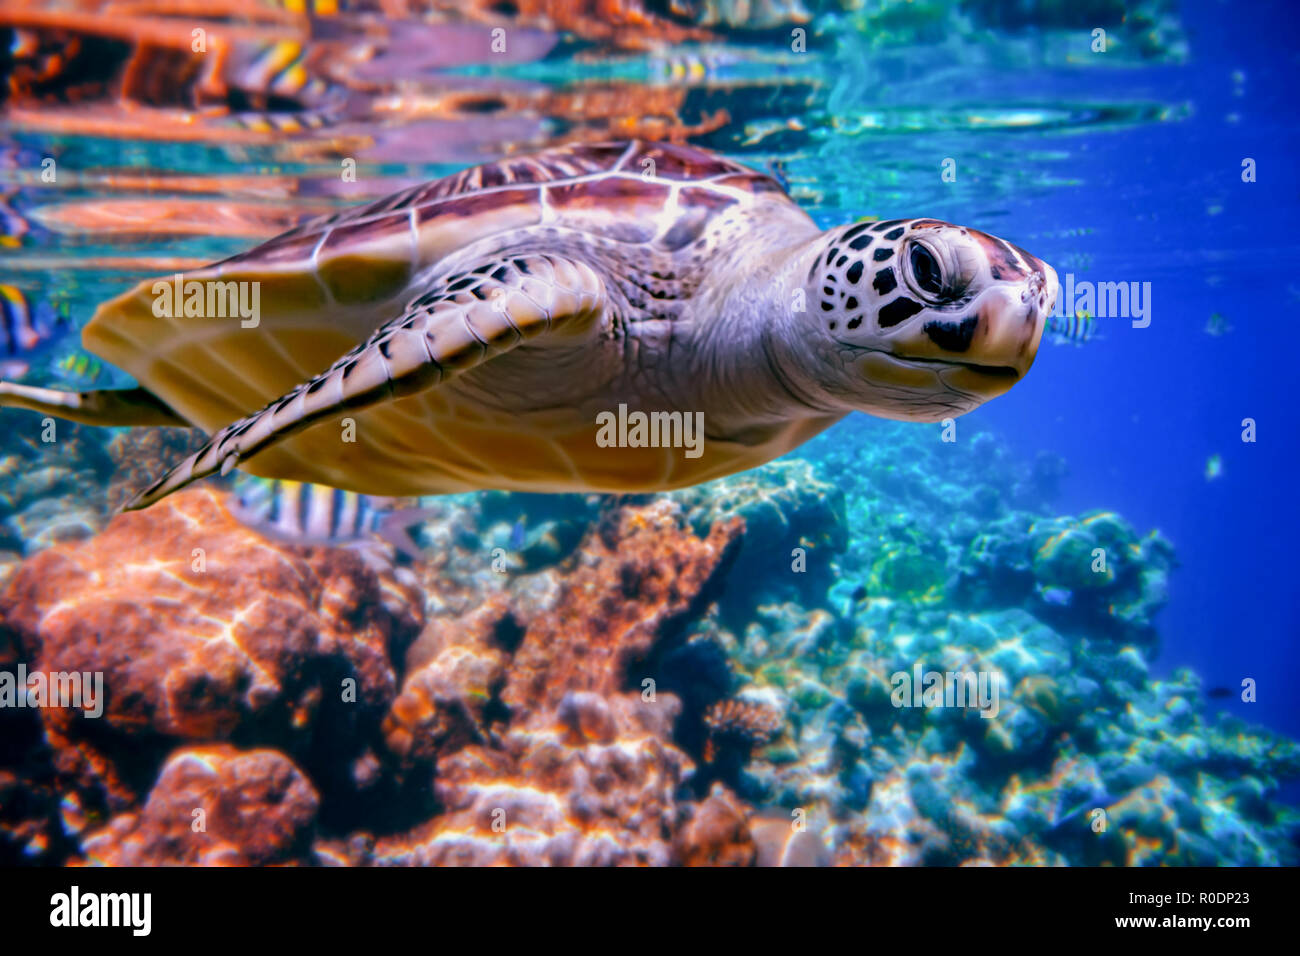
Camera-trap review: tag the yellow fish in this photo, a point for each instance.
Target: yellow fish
(80, 366)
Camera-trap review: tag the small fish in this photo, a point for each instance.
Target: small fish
(283, 70)
(1214, 467)
(1217, 325)
(1073, 329)
(299, 513)
(279, 68)
(281, 123)
(518, 534)
(1220, 693)
(1057, 596)
(79, 366)
(25, 43)
(24, 327)
(859, 593)
(692, 66)
(776, 168)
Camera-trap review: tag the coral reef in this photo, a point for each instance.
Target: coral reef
(51, 476)
(215, 806)
(718, 833)
(1077, 731)
(741, 725)
(795, 521)
(202, 631)
(521, 732)
(580, 768)
(733, 675)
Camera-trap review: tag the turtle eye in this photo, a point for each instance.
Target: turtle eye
(926, 271)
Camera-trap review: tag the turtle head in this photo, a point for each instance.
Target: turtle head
(924, 319)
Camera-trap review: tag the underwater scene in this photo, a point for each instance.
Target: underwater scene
(603, 432)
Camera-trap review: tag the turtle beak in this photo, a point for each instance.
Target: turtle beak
(1007, 336)
(1012, 323)
(1015, 325)
(1042, 287)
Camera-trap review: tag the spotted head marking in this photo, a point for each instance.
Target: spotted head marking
(922, 319)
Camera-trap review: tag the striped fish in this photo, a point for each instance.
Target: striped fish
(299, 513)
(282, 92)
(25, 327)
(279, 69)
(1073, 329)
(13, 226)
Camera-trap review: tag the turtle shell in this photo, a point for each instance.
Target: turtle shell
(323, 287)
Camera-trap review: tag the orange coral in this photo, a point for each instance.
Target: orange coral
(577, 768)
(528, 719)
(215, 805)
(203, 630)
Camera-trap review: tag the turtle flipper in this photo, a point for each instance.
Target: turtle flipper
(469, 320)
(122, 406)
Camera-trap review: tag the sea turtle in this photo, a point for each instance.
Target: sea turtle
(486, 330)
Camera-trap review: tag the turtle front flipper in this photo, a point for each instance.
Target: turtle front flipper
(122, 406)
(471, 318)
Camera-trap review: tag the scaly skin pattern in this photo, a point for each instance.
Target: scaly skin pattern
(475, 330)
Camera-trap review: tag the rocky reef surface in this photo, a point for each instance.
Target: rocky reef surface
(718, 676)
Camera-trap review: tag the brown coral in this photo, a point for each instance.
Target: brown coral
(454, 670)
(533, 721)
(740, 724)
(215, 806)
(717, 834)
(205, 631)
(579, 767)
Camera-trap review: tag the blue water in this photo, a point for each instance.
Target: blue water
(1110, 166)
(1114, 169)
(1153, 196)
(1138, 413)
